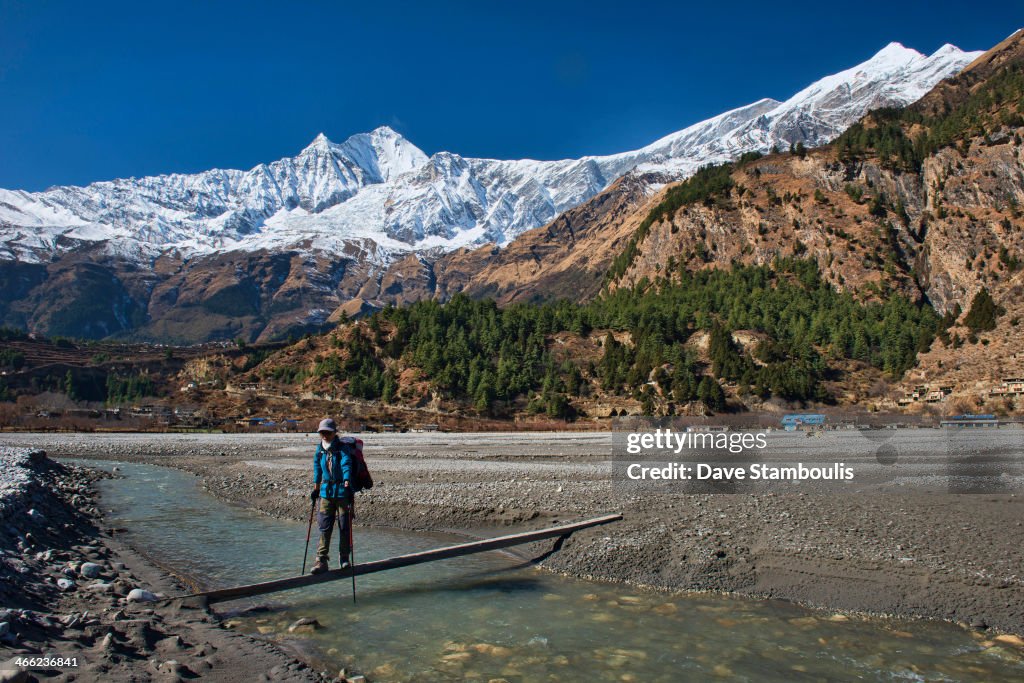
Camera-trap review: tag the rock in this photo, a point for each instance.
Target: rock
(722, 671)
(65, 584)
(171, 643)
(5, 628)
(456, 657)
(305, 625)
(107, 643)
(173, 666)
(71, 621)
(36, 516)
(1009, 639)
(255, 609)
(192, 603)
(493, 650)
(10, 673)
(90, 570)
(140, 595)
(387, 671)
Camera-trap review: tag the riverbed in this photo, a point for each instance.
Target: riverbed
(488, 616)
(942, 556)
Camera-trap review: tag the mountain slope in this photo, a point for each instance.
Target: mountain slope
(379, 185)
(925, 201)
(793, 277)
(350, 219)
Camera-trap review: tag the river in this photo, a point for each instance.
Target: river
(488, 616)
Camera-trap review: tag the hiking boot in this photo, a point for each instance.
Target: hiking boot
(320, 567)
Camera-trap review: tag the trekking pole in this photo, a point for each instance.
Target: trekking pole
(352, 546)
(309, 529)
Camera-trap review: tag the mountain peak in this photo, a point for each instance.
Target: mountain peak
(386, 150)
(386, 132)
(895, 54)
(320, 144)
(947, 49)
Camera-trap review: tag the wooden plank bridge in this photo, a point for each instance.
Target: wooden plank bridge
(445, 553)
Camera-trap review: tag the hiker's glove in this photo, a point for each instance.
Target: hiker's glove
(315, 494)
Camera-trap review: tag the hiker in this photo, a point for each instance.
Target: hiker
(333, 471)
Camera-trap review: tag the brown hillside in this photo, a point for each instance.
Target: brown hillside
(566, 258)
(939, 234)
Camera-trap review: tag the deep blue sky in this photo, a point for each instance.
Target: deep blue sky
(92, 91)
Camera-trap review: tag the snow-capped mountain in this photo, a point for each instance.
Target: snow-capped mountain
(379, 188)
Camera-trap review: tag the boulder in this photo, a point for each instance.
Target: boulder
(1010, 639)
(10, 673)
(304, 625)
(90, 570)
(141, 595)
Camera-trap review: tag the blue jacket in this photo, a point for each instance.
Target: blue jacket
(341, 464)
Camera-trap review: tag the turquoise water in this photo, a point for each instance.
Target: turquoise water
(487, 616)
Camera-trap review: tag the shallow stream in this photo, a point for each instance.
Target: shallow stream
(487, 616)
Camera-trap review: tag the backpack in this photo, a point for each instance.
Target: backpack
(361, 478)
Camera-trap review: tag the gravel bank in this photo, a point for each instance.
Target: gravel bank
(954, 557)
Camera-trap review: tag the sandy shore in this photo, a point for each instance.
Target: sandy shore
(953, 557)
(66, 594)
